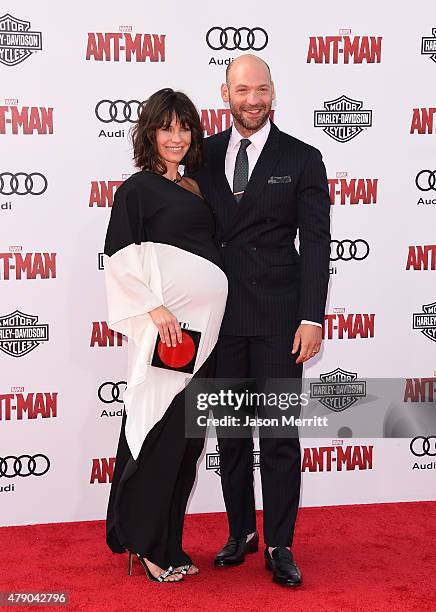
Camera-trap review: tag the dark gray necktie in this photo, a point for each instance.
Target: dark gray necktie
(240, 176)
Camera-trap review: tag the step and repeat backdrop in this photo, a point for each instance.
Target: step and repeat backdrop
(356, 82)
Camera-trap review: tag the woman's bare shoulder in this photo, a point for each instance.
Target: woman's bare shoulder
(192, 185)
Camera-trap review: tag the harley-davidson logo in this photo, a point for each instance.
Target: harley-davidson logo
(338, 389)
(17, 42)
(20, 333)
(213, 461)
(428, 45)
(343, 118)
(426, 321)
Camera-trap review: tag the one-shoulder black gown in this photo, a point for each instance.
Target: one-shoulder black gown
(159, 249)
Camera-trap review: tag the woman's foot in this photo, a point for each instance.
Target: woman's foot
(187, 570)
(156, 571)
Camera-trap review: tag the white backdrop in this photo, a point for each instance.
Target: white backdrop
(70, 443)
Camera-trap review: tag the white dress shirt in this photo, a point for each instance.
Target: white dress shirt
(258, 140)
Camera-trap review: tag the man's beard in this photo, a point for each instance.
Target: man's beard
(250, 123)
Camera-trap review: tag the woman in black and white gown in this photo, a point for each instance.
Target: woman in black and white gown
(162, 267)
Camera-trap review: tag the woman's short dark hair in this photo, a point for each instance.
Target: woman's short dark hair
(158, 112)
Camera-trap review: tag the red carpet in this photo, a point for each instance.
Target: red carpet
(372, 557)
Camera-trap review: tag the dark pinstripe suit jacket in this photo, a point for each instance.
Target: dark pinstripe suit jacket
(271, 286)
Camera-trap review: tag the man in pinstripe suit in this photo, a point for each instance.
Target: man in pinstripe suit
(263, 185)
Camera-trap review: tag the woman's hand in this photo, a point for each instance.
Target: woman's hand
(167, 324)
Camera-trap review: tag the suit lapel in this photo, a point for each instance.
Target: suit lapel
(224, 200)
(268, 158)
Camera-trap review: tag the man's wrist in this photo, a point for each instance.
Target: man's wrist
(305, 322)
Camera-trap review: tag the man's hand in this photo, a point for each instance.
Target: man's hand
(309, 337)
(167, 324)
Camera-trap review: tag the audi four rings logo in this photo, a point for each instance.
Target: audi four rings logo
(21, 183)
(231, 39)
(426, 180)
(421, 446)
(110, 392)
(24, 465)
(346, 250)
(119, 111)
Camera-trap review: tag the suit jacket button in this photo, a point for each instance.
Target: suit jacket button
(253, 282)
(223, 244)
(253, 248)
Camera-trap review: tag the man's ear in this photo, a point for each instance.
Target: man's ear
(273, 90)
(225, 92)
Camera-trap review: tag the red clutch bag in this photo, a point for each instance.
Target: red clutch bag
(180, 357)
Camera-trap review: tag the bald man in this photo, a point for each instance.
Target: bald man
(263, 186)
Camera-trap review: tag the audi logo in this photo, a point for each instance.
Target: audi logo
(421, 446)
(110, 392)
(21, 183)
(237, 38)
(426, 180)
(346, 250)
(119, 111)
(24, 465)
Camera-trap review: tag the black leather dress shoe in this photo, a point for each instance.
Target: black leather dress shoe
(233, 553)
(281, 563)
